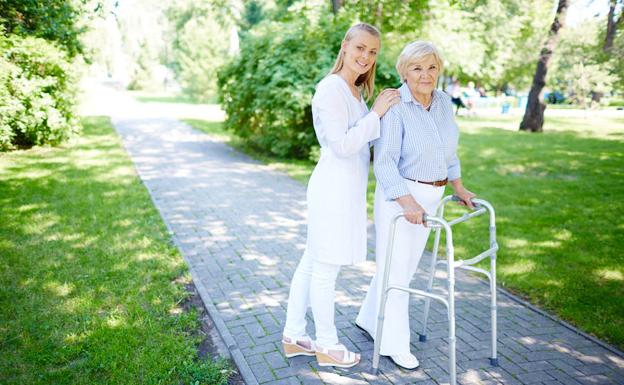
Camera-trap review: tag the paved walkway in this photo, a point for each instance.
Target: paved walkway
(241, 227)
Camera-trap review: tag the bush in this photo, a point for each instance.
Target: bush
(37, 93)
(266, 91)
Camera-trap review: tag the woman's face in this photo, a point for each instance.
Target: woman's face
(360, 52)
(422, 76)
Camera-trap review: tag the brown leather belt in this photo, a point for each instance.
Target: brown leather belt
(437, 183)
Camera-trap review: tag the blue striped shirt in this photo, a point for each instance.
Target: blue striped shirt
(416, 144)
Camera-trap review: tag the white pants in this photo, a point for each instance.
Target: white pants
(313, 284)
(409, 244)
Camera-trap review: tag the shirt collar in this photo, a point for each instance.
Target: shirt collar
(407, 97)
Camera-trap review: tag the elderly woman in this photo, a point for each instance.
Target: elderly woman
(415, 157)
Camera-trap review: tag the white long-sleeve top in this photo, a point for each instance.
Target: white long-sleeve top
(337, 188)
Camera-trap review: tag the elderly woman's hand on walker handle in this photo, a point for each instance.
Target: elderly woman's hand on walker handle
(386, 99)
(465, 196)
(414, 213)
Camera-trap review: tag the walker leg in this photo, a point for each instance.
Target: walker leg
(422, 337)
(451, 316)
(384, 298)
(494, 357)
(378, 332)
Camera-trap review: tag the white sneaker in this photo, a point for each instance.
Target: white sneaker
(406, 361)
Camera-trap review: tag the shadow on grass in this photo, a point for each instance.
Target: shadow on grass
(87, 271)
(558, 198)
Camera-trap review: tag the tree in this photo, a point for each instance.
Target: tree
(53, 20)
(533, 119)
(578, 68)
(200, 45)
(489, 41)
(612, 25)
(336, 4)
(387, 15)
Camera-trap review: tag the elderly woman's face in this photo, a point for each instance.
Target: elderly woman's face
(360, 52)
(422, 76)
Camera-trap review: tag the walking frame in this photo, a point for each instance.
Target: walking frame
(439, 223)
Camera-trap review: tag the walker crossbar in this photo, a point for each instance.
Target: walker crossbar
(438, 223)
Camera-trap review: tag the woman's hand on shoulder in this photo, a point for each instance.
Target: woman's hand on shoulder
(386, 99)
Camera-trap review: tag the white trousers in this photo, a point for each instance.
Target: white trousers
(409, 244)
(313, 284)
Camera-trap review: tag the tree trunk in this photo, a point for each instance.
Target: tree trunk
(336, 4)
(533, 119)
(612, 26)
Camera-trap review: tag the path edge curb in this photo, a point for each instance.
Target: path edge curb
(554, 318)
(237, 356)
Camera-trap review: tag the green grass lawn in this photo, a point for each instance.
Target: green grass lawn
(91, 288)
(559, 203)
(146, 97)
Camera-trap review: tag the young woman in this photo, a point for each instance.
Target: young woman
(336, 194)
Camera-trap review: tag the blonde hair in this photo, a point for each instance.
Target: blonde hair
(366, 80)
(415, 52)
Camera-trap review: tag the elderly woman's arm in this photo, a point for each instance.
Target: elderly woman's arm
(387, 155)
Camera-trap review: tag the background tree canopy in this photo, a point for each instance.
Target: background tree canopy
(38, 85)
(266, 89)
(53, 20)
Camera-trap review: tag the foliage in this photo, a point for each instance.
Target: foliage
(92, 289)
(388, 15)
(492, 42)
(37, 93)
(576, 69)
(199, 47)
(266, 91)
(613, 60)
(53, 20)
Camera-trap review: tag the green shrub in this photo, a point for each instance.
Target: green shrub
(266, 91)
(37, 93)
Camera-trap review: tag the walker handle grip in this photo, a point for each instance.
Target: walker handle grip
(455, 198)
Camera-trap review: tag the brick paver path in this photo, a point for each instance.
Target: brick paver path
(241, 227)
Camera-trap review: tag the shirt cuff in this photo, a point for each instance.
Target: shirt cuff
(454, 172)
(396, 191)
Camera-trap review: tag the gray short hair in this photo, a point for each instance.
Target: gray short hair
(415, 52)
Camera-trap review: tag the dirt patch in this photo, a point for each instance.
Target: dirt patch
(211, 346)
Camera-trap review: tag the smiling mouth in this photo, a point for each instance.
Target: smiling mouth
(361, 65)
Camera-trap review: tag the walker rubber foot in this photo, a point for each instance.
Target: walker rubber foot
(422, 337)
(494, 361)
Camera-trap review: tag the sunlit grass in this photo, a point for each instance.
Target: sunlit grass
(89, 280)
(559, 199)
(150, 97)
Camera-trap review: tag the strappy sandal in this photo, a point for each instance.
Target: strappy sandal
(349, 359)
(294, 346)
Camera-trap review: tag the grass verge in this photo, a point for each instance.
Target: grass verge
(90, 285)
(559, 197)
